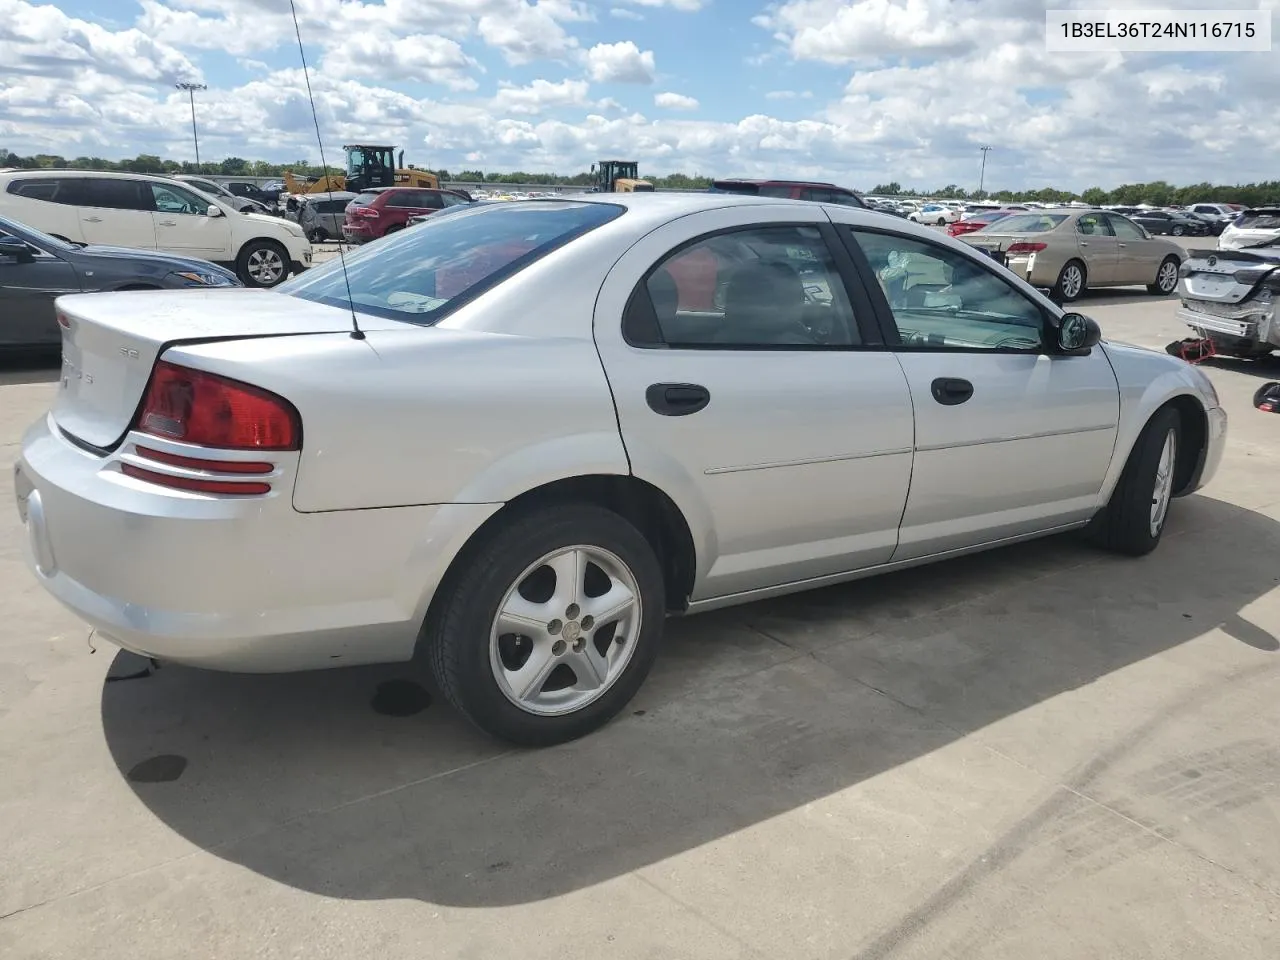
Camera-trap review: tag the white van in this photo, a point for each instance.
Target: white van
(154, 213)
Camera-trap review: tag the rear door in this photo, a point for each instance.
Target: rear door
(27, 292)
(183, 225)
(1097, 242)
(1010, 439)
(115, 212)
(771, 413)
(403, 204)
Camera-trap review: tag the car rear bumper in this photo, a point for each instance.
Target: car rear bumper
(357, 234)
(232, 583)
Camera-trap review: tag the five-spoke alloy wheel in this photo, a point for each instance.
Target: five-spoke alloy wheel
(548, 624)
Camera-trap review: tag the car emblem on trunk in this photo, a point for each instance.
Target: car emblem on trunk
(1213, 261)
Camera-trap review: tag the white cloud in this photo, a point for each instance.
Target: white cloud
(621, 62)
(675, 101)
(686, 6)
(541, 95)
(789, 95)
(420, 58)
(623, 13)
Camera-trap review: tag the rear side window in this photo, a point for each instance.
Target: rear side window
(418, 199)
(364, 199)
(420, 275)
(113, 194)
(330, 206)
(35, 189)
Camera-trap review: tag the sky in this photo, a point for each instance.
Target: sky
(860, 93)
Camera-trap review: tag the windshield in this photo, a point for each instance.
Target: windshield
(417, 275)
(1031, 222)
(31, 235)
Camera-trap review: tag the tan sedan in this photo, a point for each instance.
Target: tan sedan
(1068, 250)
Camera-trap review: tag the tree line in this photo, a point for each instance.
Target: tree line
(1159, 193)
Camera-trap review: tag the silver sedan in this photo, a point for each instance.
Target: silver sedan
(513, 440)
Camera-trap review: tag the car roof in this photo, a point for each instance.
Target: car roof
(96, 174)
(787, 183)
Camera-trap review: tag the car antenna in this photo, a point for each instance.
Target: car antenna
(356, 332)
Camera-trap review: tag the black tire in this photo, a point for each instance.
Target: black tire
(456, 637)
(942, 221)
(394, 228)
(1177, 230)
(1163, 289)
(257, 252)
(1064, 283)
(1124, 524)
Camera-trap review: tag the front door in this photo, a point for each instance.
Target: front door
(115, 212)
(1138, 256)
(183, 225)
(749, 386)
(27, 292)
(1097, 243)
(1010, 438)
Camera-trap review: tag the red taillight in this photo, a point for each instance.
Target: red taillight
(1026, 246)
(212, 411)
(369, 212)
(199, 463)
(244, 488)
(63, 320)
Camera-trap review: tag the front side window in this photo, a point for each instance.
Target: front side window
(944, 300)
(759, 287)
(419, 275)
(171, 199)
(1123, 228)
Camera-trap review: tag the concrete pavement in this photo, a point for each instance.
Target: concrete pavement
(1040, 752)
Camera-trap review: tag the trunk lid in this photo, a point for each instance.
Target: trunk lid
(1226, 277)
(110, 342)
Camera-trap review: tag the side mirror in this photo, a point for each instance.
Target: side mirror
(213, 211)
(19, 251)
(1267, 399)
(1077, 334)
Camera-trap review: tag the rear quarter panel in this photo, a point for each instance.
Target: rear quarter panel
(427, 415)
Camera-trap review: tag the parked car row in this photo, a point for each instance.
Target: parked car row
(146, 212)
(369, 214)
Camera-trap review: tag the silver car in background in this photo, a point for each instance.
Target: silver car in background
(514, 439)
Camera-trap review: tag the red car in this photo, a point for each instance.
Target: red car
(382, 210)
(977, 222)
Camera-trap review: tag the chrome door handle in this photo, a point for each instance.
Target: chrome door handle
(1121, 244)
(167, 223)
(1084, 243)
(92, 219)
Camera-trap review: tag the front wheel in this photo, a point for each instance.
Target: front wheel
(1166, 278)
(1178, 231)
(942, 221)
(1071, 282)
(262, 263)
(1133, 519)
(550, 625)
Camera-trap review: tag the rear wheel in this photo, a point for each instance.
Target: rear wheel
(942, 221)
(1177, 230)
(262, 263)
(395, 227)
(1133, 519)
(1166, 278)
(1071, 282)
(549, 626)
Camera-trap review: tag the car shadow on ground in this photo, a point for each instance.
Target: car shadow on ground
(359, 784)
(30, 365)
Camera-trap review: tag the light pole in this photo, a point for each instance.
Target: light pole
(982, 177)
(191, 89)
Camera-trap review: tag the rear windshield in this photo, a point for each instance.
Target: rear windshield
(364, 199)
(1030, 222)
(419, 275)
(726, 186)
(1259, 220)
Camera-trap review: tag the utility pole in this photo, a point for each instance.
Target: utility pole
(982, 177)
(191, 89)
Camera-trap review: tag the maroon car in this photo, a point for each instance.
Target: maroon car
(382, 210)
